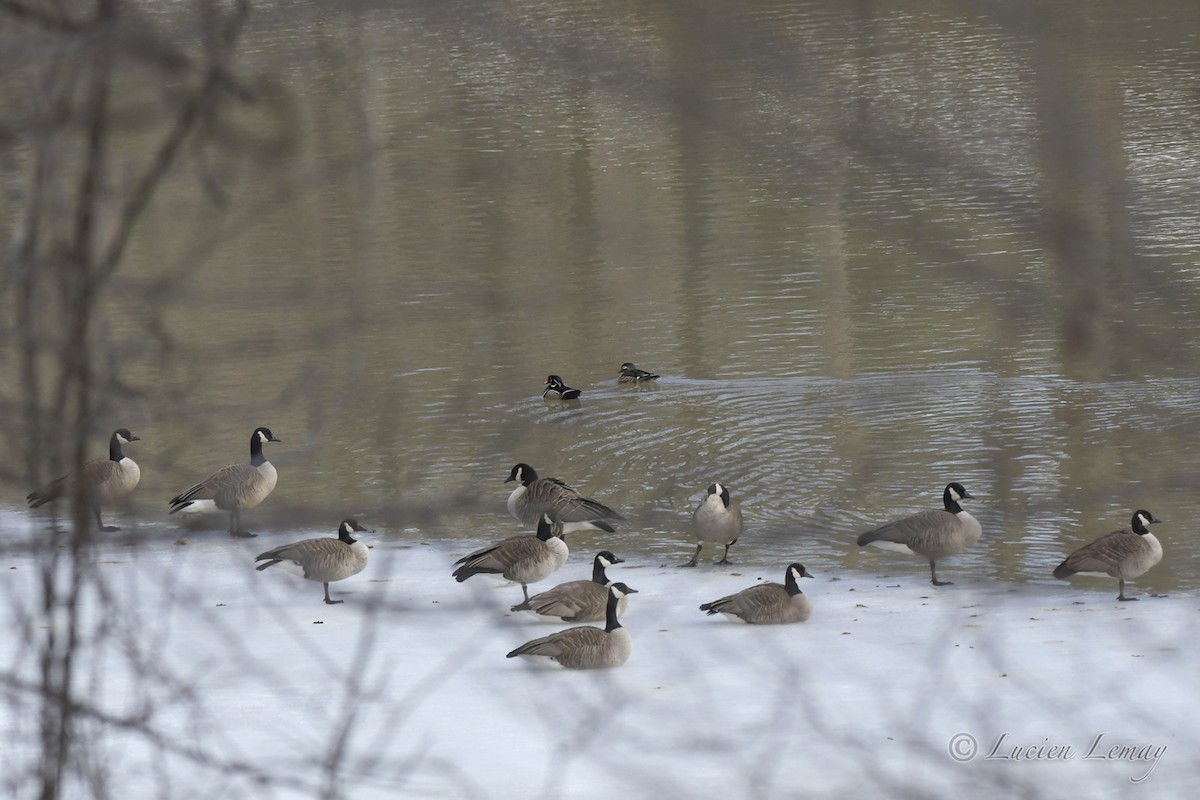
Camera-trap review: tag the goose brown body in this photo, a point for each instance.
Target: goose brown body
(1121, 554)
(584, 647)
(523, 559)
(234, 487)
(577, 601)
(931, 534)
(767, 603)
(102, 482)
(717, 520)
(323, 560)
(535, 496)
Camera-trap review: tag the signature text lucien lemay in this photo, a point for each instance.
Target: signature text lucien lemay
(963, 747)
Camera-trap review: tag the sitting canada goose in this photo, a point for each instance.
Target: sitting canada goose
(534, 496)
(932, 534)
(557, 390)
(103, 481)
(1120, 554)
(524, 559)
(576, 601)
(767, 603)
(631, 374)
(323, 560)
(716, 520)
(234, 487)
(585, 647)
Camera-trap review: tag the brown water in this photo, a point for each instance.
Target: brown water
(870, 250)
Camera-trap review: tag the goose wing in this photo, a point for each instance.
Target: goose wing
(51, 491)
(1104, 555)
(752, 601)
(568, 601)
(584, 645)
(322, 559)
(924, 533)
(228, 487)
(108, 480)
(103, 480)
(498, 558)
(568, 505)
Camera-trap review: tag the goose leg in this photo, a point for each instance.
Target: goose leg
(695, 556)
(101, 525)
(933, 572)
(525, 589)
(235, 526)
(329, 602)
(725, 558)
(1121, 593)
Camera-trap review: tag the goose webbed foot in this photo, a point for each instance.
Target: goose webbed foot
(933, 577)
(695, 556)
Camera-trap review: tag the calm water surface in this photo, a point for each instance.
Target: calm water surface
(870, 251)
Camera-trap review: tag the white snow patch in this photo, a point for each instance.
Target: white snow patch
(870, 697)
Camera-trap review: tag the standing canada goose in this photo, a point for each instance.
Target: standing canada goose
(717, 520)
(524, 559)
(631, 374)
(234, 487)
(576, 601)
(585, 647)
(534, 496)
(932, 534)
(1120, 554)
(557, 390)
(767, 603)
(323, 560)
(102, 482)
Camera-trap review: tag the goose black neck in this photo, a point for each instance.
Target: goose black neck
(791, 584)
(344, 535)
(951, 504)
(256, 454)
(114, 448)
(545, 530)
(598, 574)
(611, 623)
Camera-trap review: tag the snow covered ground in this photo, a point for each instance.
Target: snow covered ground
(234, 683)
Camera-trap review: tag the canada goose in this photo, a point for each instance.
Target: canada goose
(631, 374)
(716, 520)
(323, 560)
(585, 647)
(576, 601)
(1120, 554)
(234, 487)
(535, 496)
(524, 559)
(767, 603)
(932, 534)
(103, 481)
(557, 390)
